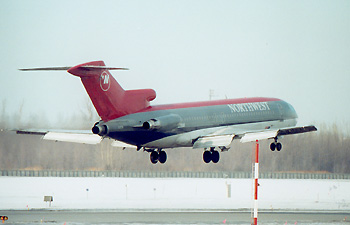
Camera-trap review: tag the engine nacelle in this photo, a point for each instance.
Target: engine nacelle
(100, 129)
(167, 122)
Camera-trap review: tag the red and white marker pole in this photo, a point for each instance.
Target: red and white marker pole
(256, 184)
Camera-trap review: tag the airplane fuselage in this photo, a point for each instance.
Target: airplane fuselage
(178, 125)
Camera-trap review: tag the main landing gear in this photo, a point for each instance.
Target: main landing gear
(158, 156)
(275, 145)
(211, 156)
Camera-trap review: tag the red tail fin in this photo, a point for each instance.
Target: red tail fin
(109, 98)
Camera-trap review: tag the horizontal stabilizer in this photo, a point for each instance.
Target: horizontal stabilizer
(65, 68)
(213, 141)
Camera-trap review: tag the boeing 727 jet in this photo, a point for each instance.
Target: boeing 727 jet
(128, 118)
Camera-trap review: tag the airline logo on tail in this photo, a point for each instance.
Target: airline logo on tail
(104, 81)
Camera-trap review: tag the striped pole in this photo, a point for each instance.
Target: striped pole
(256, 184)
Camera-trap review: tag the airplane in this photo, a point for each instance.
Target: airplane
(128, 118)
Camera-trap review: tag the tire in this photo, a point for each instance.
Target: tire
(207, 156)
(215, 156)
(154, 157)
(278, 146)
(162, 157)
(273, 146)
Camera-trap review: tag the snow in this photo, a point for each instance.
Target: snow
(172, 193)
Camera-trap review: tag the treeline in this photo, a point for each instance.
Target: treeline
(327, 150)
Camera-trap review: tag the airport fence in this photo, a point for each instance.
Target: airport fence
(164, 174)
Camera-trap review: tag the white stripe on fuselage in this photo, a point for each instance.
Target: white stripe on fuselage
(185, 139)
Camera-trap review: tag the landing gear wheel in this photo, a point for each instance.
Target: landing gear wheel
(162, 157)
(207, 156)
(215, 156)
(273, 146)
(154, 157)
(278, 146)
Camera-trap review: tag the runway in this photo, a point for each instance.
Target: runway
(83, 217)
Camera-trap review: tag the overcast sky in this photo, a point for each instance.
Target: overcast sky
(298, 51)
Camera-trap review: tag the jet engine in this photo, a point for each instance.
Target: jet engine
(100, 129)
(167, 122)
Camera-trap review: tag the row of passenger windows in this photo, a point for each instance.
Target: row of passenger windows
(219, 117)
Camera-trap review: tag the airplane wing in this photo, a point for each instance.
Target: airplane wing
(123, 145)
(270, 134)
(225, 136)
(73, 137)
(81, 136)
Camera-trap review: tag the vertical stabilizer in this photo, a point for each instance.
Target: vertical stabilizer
(109, 98)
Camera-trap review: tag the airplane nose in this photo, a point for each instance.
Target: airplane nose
(293, 114)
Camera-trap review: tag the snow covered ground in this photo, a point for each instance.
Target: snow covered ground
(172, 193)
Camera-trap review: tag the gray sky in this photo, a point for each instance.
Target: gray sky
(298, 51)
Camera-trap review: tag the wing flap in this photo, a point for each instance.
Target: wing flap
(248, 137)
(213, 141)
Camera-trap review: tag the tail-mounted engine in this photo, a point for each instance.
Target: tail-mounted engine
(101, 130)
(168, 122)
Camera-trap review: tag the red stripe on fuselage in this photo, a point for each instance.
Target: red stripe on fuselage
(208, 103)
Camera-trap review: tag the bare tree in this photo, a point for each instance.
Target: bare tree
(327, 150)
